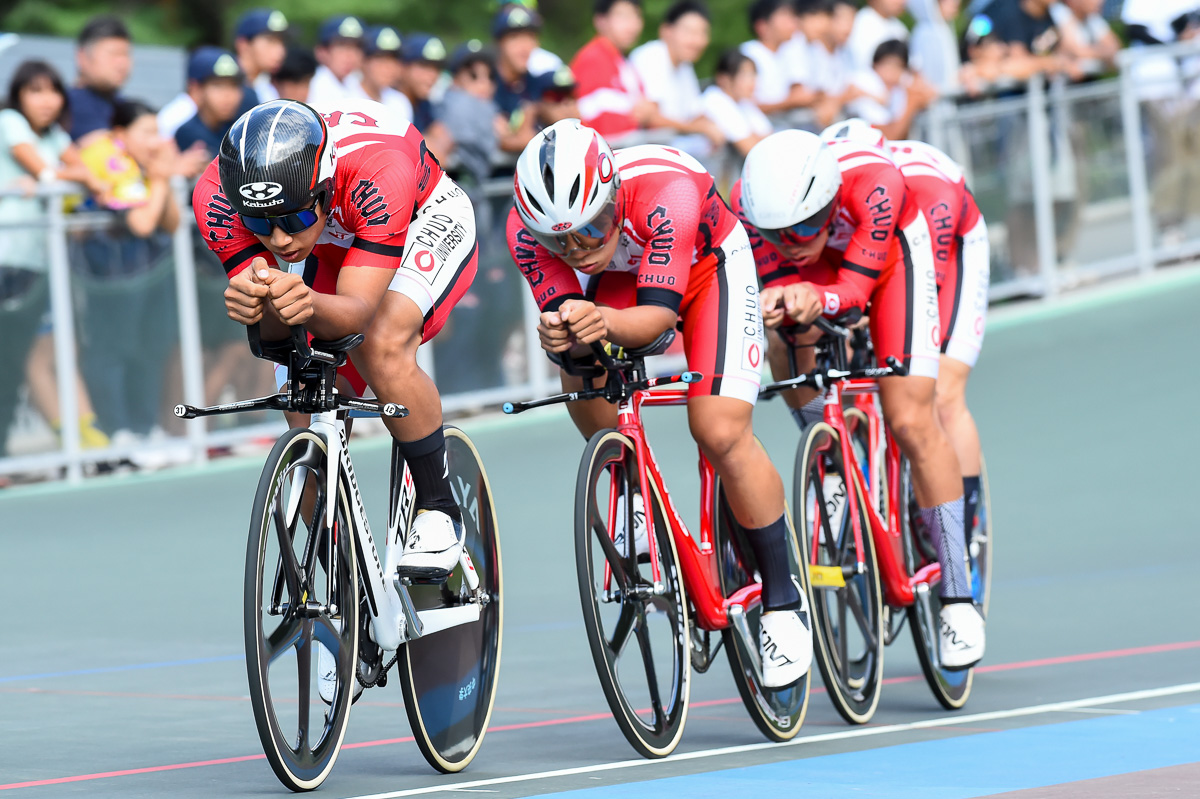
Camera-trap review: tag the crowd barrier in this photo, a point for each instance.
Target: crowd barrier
(1077, 183)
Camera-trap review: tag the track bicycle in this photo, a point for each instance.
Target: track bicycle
(314, 580)
(871, 564)
(682, 598)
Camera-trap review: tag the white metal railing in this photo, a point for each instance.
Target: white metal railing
(984, 136)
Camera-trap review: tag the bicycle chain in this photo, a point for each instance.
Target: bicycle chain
(382, 673)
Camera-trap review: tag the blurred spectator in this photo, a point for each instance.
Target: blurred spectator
(987, 66)
(340, 55)
(291, 81)
(1032, 40)
(467, 118)
(124, 275)
(260, 41)
(103, 58)
(216, 85)
(829, 60)
(382, 70)
(666, 67)
(423, 56)
(730, 102)
(891, 95)
(554, 97)
(878, 22)
(260, 45)
(778, 89)
(934, 45)
(34, 149)
(609, 93)
(515, 31)
(1086, 35)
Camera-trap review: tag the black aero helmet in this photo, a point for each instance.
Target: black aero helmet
(277, 159)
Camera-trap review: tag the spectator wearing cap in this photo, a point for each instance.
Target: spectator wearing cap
(666, 68)
(467, 117)
(876, 23)
(340, 55)
(553, 97)
(423, 55)
(295, 74)
(216, 86)
(609, 92)
(383, 70)
(260, 43)
(104, 59)
(515, 31)
(778, 87)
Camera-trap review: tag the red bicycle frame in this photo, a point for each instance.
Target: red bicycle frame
(898, 584)
(697, 560)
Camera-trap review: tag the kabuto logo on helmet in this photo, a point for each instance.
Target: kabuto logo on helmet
(561, 226)
(260, 191)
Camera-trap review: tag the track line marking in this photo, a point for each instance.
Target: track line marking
(858, 732)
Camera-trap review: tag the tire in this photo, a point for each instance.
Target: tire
(281, 693)
(632, 678)
(449, 678)
(778, 714)
(850, 656)
(950, 687)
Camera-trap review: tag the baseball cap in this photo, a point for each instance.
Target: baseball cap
(423, 47)
(556, 81)
(469, 52)
(207, 63)
(382, 39)
(342, 26)
(259, 21)
(514, 18)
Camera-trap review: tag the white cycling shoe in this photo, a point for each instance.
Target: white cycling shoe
(433, 546)
(785, 645)
(961, 639)
(327, 670)
(641, 542)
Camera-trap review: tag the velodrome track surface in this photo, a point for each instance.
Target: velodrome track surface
(121, 667)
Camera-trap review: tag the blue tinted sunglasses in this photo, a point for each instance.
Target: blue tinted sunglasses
(804, 231)
(290, 224)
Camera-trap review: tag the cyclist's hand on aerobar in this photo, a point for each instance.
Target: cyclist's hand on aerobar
(290, 297)
(801, 302)
(246, 293)
(575, 322)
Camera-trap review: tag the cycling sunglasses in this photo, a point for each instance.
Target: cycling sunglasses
(290, 224)
(602, 227)
(801, 232)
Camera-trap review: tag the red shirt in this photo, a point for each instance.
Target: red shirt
(862, 242)
(607, 88)
(384, 173)
(674, 221)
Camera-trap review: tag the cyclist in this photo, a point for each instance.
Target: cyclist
(962, 255)
(622, 247)
(835, 231)
(338, 218)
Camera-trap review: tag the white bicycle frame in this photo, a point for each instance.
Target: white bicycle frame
(394, 620)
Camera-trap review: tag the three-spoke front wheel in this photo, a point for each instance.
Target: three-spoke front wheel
(301, 607)
(637, 627)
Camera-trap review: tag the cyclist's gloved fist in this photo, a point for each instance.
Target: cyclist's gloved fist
(246, 293)
(771, 301)
(290, 297)
(802, 302)
(554, 335)
(584, 320)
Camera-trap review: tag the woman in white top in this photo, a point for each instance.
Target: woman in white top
(729, 102)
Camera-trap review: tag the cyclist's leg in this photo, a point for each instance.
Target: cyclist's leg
(905, 324)
(807, 405)
(964, 318)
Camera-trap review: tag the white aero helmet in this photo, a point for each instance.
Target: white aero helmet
(567, 183)
(791, 184)
(856, 130)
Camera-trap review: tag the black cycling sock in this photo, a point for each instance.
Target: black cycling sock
(770, 545)
(970, 503)
(426, 460)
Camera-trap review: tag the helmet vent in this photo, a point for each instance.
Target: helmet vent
(810, 185)
(595, 191)
(842, 132)
(534, 203)
(574, 191)
(548, 180)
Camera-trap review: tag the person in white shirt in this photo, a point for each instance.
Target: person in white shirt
(1085, 34)
(778, 90)
(730, 102)
(666, 69)
(891, 95)
(875, 24)
(340, 54)
(933, 46)
(383, 70)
